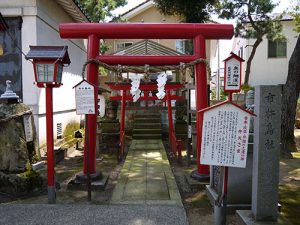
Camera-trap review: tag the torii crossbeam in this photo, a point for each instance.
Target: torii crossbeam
(96, 31)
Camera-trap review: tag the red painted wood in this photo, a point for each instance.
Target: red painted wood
(92, 77)
(122, 120)
(49, 134)
(144, 98)
(201, 97)
(145, 31)
(143, 87)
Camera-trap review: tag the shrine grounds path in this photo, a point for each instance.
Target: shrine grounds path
(146, 194)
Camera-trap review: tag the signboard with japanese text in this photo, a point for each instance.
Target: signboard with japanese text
(232, 75)
(85, 98)
(225, 134)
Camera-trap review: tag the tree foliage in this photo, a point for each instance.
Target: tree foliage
(191, 11)
(254, 21)
(99, 9)
(296, 16)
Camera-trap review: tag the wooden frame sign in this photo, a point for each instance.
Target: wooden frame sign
(85, 98)
(233, 73)
(225, 134)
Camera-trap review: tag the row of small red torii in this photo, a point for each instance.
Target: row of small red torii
(93, 32)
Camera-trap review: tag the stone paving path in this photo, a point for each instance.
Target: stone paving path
(146, 176)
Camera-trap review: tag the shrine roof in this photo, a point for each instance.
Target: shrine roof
(224, 103)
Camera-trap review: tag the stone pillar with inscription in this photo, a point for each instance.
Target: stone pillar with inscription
(267, 130)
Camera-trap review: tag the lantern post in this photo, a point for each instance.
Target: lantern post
(48, 62)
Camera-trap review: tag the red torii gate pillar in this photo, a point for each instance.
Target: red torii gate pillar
(198, 32)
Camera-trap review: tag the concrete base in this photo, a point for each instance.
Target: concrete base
(231, 208)
(245, 217)
(51, 195)
(97, 182)
(199, 177)
(82, 178)
(195, 184)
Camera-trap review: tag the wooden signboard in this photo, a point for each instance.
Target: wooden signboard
(233, 73)
(85, 98)
(225, 134)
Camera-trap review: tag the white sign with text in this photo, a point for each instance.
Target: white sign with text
(225, 134)
(233, 75)
(85, 98)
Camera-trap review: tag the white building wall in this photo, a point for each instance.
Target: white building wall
(41, 19)
(49, 16)
(264, 70)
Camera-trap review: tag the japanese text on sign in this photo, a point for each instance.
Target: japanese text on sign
(233, 76)
(85, 98)
(225, 136)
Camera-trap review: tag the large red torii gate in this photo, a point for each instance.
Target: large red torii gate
(96, 31)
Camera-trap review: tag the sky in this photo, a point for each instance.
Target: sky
(283, 4)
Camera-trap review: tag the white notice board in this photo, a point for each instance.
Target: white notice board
(225, 136)
(85, 98)
(233, 75)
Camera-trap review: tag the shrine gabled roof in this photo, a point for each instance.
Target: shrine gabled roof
(147, 47)
(232, 55)
(224, 103)
(49, 52)
(75, 9)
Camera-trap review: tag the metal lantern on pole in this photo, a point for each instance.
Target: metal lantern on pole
(48, 62)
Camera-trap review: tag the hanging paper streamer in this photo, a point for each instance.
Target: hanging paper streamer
(101, 105)
(135, 91)
(161, 82)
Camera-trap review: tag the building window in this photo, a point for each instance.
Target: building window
(184, 46)
(122, 45)
(276, 49)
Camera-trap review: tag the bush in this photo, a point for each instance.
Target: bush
(71, 127)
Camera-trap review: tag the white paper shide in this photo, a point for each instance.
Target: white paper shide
(161, 82)
(134, 90)
(101, 105)
(225, 134)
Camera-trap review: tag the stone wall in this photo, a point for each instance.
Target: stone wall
(16, 147)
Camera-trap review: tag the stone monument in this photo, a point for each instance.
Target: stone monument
(265, 156)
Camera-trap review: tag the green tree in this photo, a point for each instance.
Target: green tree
(99, 9)
(191, 11)
(290, 93)
(254, 21)
(296, 16)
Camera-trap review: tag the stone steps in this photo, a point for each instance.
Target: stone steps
(147, 120)
(147, 126)
(147, 115)
(147, 136)
(147, 131)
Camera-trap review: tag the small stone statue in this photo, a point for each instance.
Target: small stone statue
(9, 94)
(8, 86)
